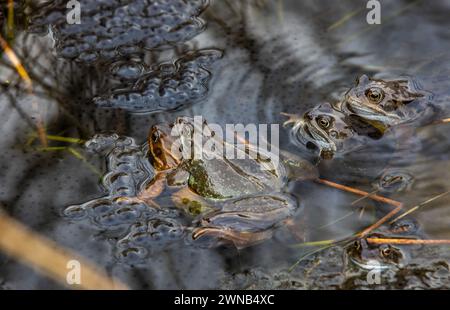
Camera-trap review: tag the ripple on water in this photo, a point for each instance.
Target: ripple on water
(111, 28)
(394, 180)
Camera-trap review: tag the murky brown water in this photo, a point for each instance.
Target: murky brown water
(278, 56)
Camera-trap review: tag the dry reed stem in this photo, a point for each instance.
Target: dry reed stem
(28, 85)
(48, 258)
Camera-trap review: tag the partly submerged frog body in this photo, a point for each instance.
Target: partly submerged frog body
(384, 102)
(374, 256)
(245, 195)
(366, 110)
(327, 131)
(383, 256)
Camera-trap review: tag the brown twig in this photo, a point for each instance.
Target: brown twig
(406, 241)
(420, 205)
(360, 192)
(380, 222)
(398, 205)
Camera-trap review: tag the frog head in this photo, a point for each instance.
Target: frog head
(370, 256)
(322, 129)
(379, 100)
(161, 144)
(171, 143)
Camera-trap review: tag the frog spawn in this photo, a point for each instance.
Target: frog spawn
(128, 172)
(366, 110)
(112, 28)
(143, 228)
(168, 86)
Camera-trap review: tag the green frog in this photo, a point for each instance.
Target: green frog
(238, 199)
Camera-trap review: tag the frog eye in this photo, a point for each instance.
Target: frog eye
(324, 121)
(375, 94)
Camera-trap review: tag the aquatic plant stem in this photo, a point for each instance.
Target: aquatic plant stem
(420, 205)
(398, 205)
(10, 22)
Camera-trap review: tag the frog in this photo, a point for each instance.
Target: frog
(366, 111)
(384, 256)
(236, 200)
(327, 131)
(384, 103)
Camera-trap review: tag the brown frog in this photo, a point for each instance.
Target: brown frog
(236, 200)
(383, 103)
(366, 110)
(383, 256)
(328, 131)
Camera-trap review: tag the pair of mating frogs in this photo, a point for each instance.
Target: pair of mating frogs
(367, 110)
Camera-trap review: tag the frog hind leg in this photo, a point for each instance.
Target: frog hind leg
(192, 203)
(239, 239)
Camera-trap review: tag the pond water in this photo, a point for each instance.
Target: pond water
(125, 68)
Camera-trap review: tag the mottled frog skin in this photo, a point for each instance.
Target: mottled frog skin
(384, 256)
(244, 198)
(389, 102)
(321, 129)
(366, 110)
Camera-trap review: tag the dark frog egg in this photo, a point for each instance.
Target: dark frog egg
(127, 70)
(145, 236)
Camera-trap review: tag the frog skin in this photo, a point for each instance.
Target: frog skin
(383, 103)
(243, 200)
(384, 256)
(366, 110)
(323, 129)
(374, 256)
